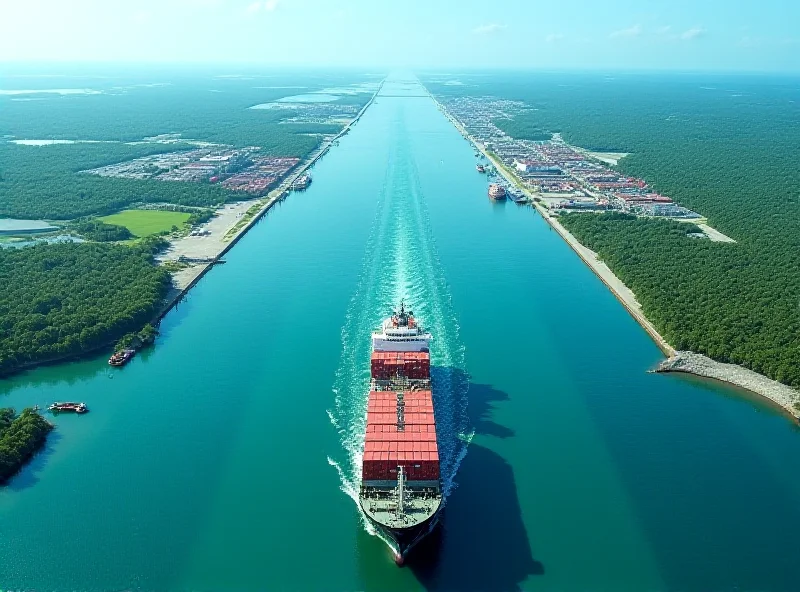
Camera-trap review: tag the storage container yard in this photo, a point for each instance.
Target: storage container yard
(563, 177)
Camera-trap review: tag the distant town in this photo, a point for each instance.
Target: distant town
(562, 177)
(244, 170)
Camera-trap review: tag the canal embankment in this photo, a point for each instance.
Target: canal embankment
(245, 215)
(199, 254)
(785, 397)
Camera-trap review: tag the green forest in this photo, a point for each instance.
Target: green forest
(197, 105)
(98, 231)
(62, 299)
(725, 146)
(20, 438)
(44, 181)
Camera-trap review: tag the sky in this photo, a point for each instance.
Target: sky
(722, 35)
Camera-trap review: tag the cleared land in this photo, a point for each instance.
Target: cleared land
(147, 222)
(608, 157)
(715, 235)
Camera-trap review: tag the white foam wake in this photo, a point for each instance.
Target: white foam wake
(400, 263)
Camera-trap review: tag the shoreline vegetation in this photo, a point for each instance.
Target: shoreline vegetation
(21, 437)
(64, 300)
(182, 278)
(688, 362)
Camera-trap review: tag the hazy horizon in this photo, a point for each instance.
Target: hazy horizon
(510, 34)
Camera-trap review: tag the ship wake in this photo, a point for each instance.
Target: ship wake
(400, 263)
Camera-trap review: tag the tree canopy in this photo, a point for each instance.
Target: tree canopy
(62, 299)
(20, 438)
(724, 146)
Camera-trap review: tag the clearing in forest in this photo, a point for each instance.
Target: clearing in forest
(147, 222)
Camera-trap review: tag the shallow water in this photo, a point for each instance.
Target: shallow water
(309, 98)
(226, 457)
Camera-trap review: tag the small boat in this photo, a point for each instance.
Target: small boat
(121, 358)
(68, 407)
(480, 168)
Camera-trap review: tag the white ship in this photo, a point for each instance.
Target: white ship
(302, 182)
(400, 332)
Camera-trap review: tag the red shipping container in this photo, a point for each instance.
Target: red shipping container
(374, 418)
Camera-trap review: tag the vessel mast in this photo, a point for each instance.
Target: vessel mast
(401, 484)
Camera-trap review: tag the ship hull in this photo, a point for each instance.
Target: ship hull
(402, 540)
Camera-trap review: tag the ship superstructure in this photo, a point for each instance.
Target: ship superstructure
(400, 486)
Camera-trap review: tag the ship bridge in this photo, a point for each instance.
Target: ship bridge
(401, 332)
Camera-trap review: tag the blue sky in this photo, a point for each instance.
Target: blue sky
(584, 34)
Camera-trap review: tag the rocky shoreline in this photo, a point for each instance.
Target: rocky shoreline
(700, 365)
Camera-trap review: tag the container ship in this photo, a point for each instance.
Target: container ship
(401, 492)
(497, 191)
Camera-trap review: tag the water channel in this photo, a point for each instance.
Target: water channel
(226, 457)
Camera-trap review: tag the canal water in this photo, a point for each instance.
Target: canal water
(226, 456)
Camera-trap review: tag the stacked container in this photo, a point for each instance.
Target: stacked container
(401, 430)
(413, 365)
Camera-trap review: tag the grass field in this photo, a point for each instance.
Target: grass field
(146, 222)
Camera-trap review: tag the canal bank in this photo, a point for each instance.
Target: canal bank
(210, 255)
(781, 395)
(186, 281)
(223, 458)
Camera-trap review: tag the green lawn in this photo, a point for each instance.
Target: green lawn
(146, 222)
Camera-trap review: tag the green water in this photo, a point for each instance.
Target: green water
(225, 457)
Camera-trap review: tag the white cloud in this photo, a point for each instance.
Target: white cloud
(554, 37)
(693, 33)
(270, 5)
(254, 7)
(634, 31)
(489, 29)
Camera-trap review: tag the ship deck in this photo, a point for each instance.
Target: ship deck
(416, 509)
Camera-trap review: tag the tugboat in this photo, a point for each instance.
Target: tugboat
(401, 493)
(68, 408)
(497, 192)
(121, 358)
(480, 168)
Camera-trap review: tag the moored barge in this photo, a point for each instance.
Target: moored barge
(68, 407)
(121, 358)
(302, 182)
(497, 192)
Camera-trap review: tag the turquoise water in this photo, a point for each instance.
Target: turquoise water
(225, 457)
(309, 98)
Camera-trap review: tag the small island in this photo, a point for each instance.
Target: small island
(21, 437)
